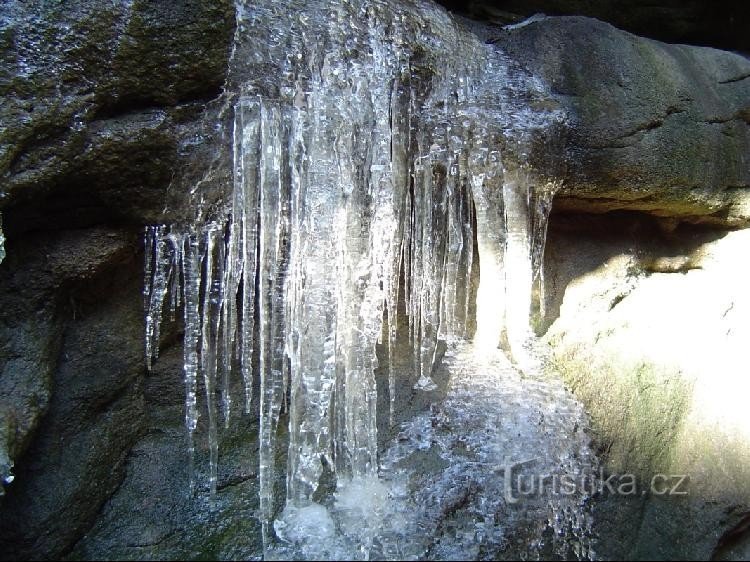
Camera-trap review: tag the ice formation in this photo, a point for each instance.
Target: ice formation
(380, 167)
(2, 240)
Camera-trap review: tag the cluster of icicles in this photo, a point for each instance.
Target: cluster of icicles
(317, 269)
(359, 215)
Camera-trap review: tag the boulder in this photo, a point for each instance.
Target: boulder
(652, 127)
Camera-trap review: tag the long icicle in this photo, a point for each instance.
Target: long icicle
(191, 275)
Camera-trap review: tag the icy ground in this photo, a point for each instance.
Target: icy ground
(444, 491)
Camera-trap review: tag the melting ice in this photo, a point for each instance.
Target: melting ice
(380, 168)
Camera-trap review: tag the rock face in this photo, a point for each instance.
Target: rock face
(652, 316)
(101, 107)
(655, 127)
(97, 102)
(72, 401)
(169, 523)
(103, 123)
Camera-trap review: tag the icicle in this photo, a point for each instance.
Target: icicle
(149, 250)
(541, 206)
(400, 180)
(162, 264)
(191, 277)
(274, 234)
(245, 210)
(370, 216)
(230, 284)
(211, 314)
(176, 244)
(2, 242)
(518, 269)
(313, 299)
(490, 218)
(468, 221)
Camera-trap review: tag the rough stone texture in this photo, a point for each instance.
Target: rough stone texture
(652, 336)
(103, 109)
(71, 395)
(99, 102)
(169, 523)
(654, 127)
(34, 317)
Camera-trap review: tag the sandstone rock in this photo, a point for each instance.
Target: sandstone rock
(653, 127)
(70, 402)
(95, 101)
(658, 358)
(169, 522)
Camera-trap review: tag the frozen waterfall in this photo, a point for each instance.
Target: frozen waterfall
(380, 169)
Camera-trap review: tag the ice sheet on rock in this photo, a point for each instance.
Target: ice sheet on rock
(355, 526)
(449, 466)
(443, 491)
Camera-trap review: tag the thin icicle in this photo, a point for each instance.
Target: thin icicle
(211, 313)
(541, 207)
(148, 257)
(191, 276)
(230, 285)
(162, 265)
(245, 210)
(175, 248)
(2, 246)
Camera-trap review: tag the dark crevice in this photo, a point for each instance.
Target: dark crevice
(739, 116)
(735, 79)
(642, 128)
(721, 23)
(125, 107)
(734, 538)
(617, 300)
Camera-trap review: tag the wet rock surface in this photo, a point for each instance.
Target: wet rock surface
(153, 514)
(101, 104)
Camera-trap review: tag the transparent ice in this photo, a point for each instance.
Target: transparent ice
(2, 240)
(381, 165)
